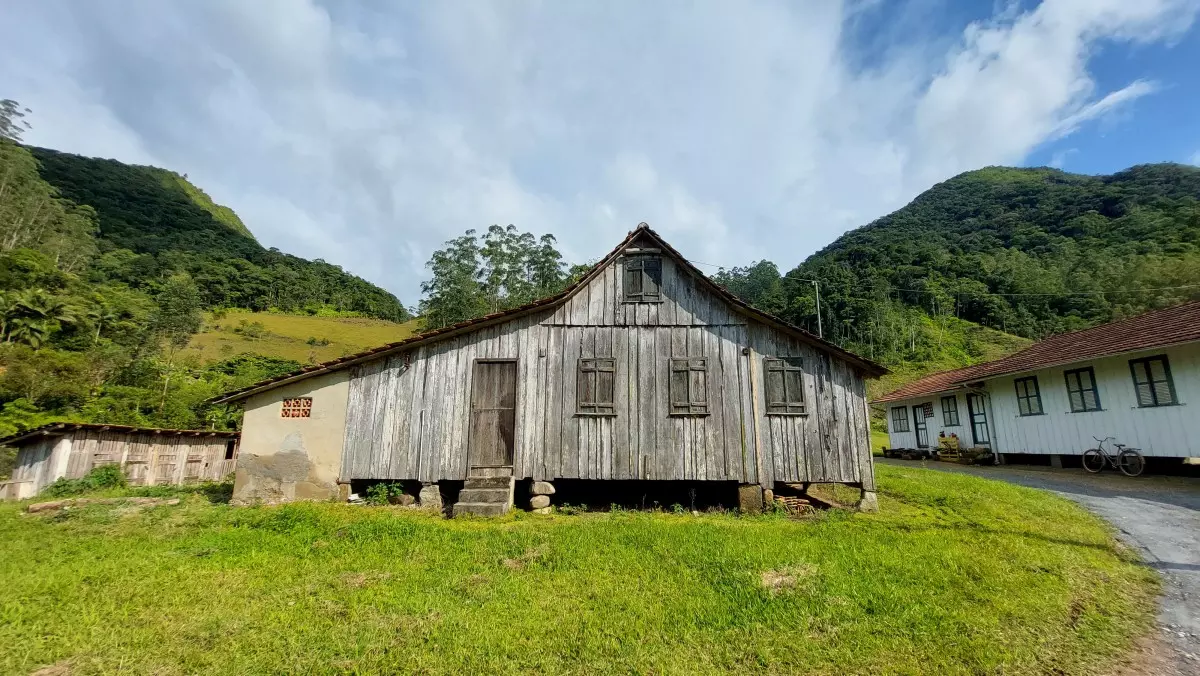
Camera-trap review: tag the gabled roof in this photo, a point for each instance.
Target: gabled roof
(61, 428)
(866, 365)
(1158, 328)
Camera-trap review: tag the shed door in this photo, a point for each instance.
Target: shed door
(493, 418)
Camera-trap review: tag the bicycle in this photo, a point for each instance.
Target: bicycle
(1128, 460)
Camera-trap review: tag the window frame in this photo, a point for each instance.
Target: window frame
(894, 427)
(1168, 379)
(946, 412)
(592, 368)
(689, 405)
(1094, 389)
(296, 407)
(648, 275)
(1027, 397)
(787, 405)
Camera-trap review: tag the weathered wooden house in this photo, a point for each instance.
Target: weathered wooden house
(148, 456)
(642, 370)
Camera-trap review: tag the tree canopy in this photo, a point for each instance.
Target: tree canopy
(475, 275)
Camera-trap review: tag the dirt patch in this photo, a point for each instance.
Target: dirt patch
(530, 556)
(360, 580)
(62, 668)
(1153, 656)
(780, 580)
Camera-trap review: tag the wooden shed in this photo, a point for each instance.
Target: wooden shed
(149, 456)
(643, 370)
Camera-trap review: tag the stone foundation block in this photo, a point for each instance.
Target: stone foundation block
(430, 497)
(542, 488)
(869, 502)
(540, 501)
(750, 498)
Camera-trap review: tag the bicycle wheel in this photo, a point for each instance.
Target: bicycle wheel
(1131, 463)
(1093, 461)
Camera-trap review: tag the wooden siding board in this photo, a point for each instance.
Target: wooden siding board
(553, 426)
(570, 422)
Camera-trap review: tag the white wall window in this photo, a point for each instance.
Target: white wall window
(1152, 380)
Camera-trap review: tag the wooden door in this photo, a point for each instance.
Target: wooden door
(492, 432)
(979, 425)
(919, 426)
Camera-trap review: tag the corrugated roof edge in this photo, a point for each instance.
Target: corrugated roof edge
(60, 428)
(479, 322)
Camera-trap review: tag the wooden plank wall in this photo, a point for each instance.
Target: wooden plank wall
(832, 442)
(150, 459)
(33, 463)
(407, 414)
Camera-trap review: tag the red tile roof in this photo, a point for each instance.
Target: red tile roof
(1158, 328)
(868, 366)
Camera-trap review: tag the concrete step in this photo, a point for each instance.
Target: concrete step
(480, 508)
(485, 495)
(488, 482)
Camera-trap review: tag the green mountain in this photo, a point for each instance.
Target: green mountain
(154, 222)
(1028, 251)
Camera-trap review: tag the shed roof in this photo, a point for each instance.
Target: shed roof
(1158, 328)
(866, 365)
(61, 428)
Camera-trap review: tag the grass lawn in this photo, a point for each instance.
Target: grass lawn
(955, 574)
(879, 439)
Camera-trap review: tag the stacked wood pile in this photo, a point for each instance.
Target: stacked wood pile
(794, 504)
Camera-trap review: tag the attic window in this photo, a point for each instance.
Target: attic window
(643, 278)
(298, 407)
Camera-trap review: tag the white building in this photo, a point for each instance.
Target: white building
(1137, 380)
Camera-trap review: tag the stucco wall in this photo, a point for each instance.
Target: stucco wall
(283, 459)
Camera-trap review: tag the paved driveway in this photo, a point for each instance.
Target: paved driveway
(1159, 515)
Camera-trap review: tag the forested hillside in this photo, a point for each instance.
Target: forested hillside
(106, 271)
(152, 223)
(1029, 252)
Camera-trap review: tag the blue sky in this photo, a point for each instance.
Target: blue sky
(367, 133)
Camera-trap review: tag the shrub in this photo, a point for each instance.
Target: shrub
(379, 493)
(104, 476)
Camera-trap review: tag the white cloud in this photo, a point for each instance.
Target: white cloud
(1194, 159)
(368, 134)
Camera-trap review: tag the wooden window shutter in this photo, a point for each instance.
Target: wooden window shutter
(651, 277)
(784, 379)
(689, 386)
(643, 279)
(594, 388)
